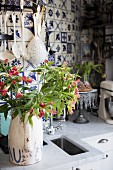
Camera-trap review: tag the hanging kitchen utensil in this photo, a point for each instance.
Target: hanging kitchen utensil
(6, 54)
(24, 52)
(16, 50)
(1, 31)
(36, 47)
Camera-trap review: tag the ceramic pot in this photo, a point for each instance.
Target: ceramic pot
(25, 142)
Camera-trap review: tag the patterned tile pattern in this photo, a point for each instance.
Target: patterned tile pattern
(62, 18)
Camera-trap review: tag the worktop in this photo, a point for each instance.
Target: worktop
(56, 159)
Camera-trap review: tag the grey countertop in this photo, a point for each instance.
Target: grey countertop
(56, 159)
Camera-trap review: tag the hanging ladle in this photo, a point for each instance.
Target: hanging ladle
(16, 50)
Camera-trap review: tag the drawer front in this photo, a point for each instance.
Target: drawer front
(103, 143)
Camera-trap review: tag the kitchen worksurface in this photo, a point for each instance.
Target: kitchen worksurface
(54, 158)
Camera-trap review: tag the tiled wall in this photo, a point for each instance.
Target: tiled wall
(63, 22)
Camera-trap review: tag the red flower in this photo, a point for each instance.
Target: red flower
(1, 83)
(45, 61)
(24, 78)
(76, 91)
(51, 103)
(31, 110)
(13, 72)
(6, 61)
(14, 82)
(14, 68)
(69, 86)
(29, 80)
(42, 105)
(42, 112)
(4, 92)
(18, 95)
(54, 112)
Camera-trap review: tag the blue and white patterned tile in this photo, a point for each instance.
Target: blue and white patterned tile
(28, 3)
(57, 36)
(58, 4)
(18, 32)
(51, 24)
(69, 27)
(58, 14)
(69, 48)
(64, 48)
(73, 57)
(51, 3)
(28, 66)
(58, 25)
(69, 16)
(32, 75)
(17, 20)
(12, 2)
(69, 5)
(73, 6)
(17, 62)
(57, 47)
(64, 15)
(69, 37)
(64, 57)
(63, 26)
(28, 20)
(64, 4)
(50, 13)
(59, 59)
(63, 37)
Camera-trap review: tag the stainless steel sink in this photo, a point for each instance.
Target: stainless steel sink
(67, 146)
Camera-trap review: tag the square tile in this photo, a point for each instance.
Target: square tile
(51, 25)
(51, 3)
(57, 36)
(64, 4)
(18, 32)
(17, 20)
(69, 48)
(50, 13)
(69, 5)
(58, 25)
(16, 62)
(28, 20)
(58, 3)
(58, 14)
(59, 60)
(64, 26)
(64, 48)
(64, 15)
(63, 37)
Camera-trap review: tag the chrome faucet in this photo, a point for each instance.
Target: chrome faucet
(51, 129)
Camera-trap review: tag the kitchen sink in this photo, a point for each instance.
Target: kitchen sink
(67, 146)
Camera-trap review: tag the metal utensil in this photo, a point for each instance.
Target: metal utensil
(25, 54)
(16, 50)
